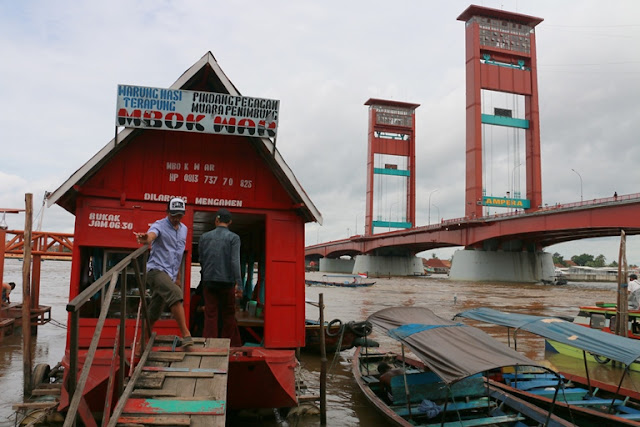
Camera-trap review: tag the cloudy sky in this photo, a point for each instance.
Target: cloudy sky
(62, 62)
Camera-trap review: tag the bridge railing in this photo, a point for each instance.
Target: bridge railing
(465, 219)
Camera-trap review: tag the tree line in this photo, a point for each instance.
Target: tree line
(586, 260)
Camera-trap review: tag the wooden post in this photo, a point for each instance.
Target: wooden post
(323, 365)
(35, 288)
(406, 385)
(26, 297)
(622, 306)
(123, 326)
(3, 243)
(73, 353)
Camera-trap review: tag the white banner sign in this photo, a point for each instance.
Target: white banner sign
(192, 111)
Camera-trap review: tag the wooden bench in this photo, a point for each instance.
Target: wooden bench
(40, 315)
(427, 385)
(483, 402)
(6, 327)
(596, 402)
(502, 419)
(628, 410)
(530, 376)
(569, 393)
(532, 384)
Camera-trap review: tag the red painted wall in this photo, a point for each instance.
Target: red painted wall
(128, 193)
(164, 162)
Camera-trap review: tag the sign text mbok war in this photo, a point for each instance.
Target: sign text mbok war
(193, 111)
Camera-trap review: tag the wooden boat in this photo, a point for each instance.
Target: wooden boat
(446, 385)
(337, 335)
(346, 281)
(559, 279)
(577, 402)
(619, 407)
(602, 315)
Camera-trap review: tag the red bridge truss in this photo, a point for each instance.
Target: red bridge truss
(516, 231)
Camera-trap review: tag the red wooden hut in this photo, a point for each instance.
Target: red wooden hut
(126, 186)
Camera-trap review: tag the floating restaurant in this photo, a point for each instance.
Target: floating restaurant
(210, 161)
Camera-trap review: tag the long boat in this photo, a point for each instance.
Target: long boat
(340, 280)
(338, 336)
(602, 315)
(619, 406)
(450, 381)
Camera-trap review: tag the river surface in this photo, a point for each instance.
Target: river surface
(346, 405)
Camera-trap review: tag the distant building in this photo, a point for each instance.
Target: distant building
(438, 266)
(594, 274)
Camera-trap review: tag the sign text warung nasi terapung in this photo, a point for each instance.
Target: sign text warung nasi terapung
(193, 111)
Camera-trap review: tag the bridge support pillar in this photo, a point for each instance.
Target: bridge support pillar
(499, 266)
(377, 265)
(337, 265)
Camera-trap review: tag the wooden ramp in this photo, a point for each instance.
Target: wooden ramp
(178, 387)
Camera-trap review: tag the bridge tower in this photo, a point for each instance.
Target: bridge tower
(501, 57)
(391, 157)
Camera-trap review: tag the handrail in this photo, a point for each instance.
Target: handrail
(110, 277)
(96, 286)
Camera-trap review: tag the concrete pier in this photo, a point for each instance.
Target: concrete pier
(337, 265)
(388, 265)
(374, 265)
(500, 266)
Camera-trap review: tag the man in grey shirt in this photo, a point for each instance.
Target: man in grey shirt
(219, 251)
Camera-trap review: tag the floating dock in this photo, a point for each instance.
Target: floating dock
(176, 386)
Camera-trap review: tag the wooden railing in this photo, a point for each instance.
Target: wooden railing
(59, 245)
(110, 278)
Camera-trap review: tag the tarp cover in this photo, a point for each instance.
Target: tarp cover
(452, 350)
(614, 347)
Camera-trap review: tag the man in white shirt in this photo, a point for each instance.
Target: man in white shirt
(634, 292)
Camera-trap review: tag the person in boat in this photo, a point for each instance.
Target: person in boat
(6, 290)
(168, 238)
(386, 373)
(634, 292)
(220, 260)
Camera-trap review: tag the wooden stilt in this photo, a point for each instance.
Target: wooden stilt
(323, 365)
(27, 362)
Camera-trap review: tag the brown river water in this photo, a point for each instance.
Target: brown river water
(346, 405)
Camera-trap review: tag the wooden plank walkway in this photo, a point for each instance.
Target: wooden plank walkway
(181, 387)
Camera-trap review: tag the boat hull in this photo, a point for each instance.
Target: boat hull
(567, 350)
(261, 378)
(608, 314)
(584, 417)
(338, 284)
(334, 338)
(506, 404)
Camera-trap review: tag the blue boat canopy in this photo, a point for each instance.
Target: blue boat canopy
(604, 344)
(453, 351)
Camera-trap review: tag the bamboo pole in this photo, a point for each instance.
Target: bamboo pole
(27, 361)
(323, 365)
